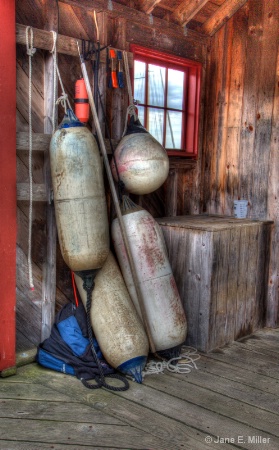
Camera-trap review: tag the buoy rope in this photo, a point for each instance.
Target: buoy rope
(88, 286)
(131, 110)
(30, 52)
(184, 363)
(63, 99)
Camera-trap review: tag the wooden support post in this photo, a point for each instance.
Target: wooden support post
(49, 267)
(8, 187)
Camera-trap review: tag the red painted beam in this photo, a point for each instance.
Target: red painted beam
(7, 184)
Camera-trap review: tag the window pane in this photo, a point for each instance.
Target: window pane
(155, 123)
(139, 81)
(175, 89)
(174, 130)
(156, 85)
(141, 114)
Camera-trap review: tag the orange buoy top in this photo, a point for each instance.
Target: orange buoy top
(81, 101)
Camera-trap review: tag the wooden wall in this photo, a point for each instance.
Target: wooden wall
(238, 156)
(76, 22)
(241, 131)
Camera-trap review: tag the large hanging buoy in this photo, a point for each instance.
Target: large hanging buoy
(162, 303)
(142, 163)
(81, 101)
(115, 322)
(79, 196)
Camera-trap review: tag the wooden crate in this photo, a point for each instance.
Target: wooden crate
(220, 265)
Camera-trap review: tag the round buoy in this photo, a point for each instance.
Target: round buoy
(142, 163)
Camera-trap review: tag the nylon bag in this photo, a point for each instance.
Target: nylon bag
(68, 348)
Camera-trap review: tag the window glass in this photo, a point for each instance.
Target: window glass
(155, 123)
(156, 85)
(139, 81)
(141, 114)
(175, 89)
(174, 130)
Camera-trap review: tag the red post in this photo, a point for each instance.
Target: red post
(7, 184)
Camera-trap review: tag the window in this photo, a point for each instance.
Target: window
(167, 91)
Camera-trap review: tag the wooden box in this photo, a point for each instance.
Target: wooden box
(220, 265)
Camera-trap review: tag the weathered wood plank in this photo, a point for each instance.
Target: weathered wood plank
(138, 17)
(222, 14)
(236, 89)
(67, 45)
(265, 102)
(272, 311)
(30, 328)
(41, 141)
(131, 410)
(234, 389)
(100, 435)
(74, 412)
(22, 101)
(236, 410)
(171, 193)
(50, 123)
(254, 362)
(186, 11)
(38, 192)
(249, 111)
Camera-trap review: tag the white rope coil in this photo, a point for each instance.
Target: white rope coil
(30, 50)
(185, 363)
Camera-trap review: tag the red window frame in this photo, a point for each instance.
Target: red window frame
(192, 87)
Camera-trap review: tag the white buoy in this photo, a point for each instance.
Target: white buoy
(79, 196)
(162, 303)
(115, 321)
(142, 162)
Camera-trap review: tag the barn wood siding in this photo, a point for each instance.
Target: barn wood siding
(241, 123)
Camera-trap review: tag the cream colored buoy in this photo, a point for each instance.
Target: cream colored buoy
(115, 322)
(79, 196)
(142, 163)
(162, 303)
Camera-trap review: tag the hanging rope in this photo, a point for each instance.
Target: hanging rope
(30, 50)
(63, 99)
(131, 110)
(54, 54)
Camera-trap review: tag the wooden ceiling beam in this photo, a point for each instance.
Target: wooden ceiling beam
(133, 15)
(65, 44)
(187, 10)
(147, 6)
(221, 16)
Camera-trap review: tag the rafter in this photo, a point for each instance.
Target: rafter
(147, 6)
(222, 14)
(187, 10)
(133, 15)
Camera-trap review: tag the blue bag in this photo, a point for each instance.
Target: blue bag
(68, 348)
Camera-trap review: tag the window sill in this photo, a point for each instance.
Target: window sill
(182, 163)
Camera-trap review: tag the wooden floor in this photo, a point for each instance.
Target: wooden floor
(232, 399)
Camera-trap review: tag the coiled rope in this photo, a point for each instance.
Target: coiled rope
(30, 50)
(184, 363)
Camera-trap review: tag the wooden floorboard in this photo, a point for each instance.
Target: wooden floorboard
(231, 401)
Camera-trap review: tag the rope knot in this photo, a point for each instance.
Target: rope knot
(31, 51)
